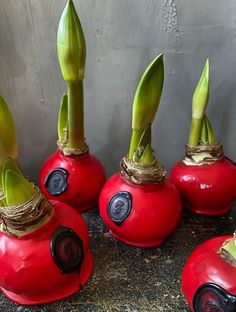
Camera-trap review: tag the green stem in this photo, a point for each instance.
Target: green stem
(195, 132)
(136, 136)
(76, 114)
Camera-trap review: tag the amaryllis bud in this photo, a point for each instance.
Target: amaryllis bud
(71, 46)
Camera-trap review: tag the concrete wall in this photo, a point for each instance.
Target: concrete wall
(122, 38)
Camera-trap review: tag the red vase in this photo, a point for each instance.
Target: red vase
(48, 264)
(206, 189)
(75, 180)
(139, 215)
(208, 281)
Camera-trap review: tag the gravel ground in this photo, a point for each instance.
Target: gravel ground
(128, 279)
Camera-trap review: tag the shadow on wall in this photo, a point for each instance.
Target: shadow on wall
(117, 144)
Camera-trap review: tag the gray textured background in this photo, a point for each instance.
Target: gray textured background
(122, 38)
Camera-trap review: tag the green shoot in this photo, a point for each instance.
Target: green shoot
(17, 189)
(207, 135)
(146, 100)
(210, 132)
(147, 157)
(8, 164)
(8, 145)
(199, 104)
(135, 139)
(71, 49)
(204, 133)
(146, 137)
(63, 118)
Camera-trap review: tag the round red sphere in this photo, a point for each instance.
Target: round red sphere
(139, 215)
(48, 264)
(206, 189)
(75, 180)
(208, 281)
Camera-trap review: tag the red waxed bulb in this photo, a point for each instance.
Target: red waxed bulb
(139, 215)
(49, 263)
(209, 277)
(139, 206)
(76, 180)
(206, 189)
(205, 178)
(44, 253)
(72, 175)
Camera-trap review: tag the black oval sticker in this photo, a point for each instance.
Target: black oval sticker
(67, 250)
(211, 297)
(56, 181)
(119, 207)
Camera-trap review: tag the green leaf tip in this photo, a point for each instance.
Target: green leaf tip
(8, 144)
(11, 164)
(17, 189)
(71, 45)
(148, 94)
(62, 125)
(201, 93)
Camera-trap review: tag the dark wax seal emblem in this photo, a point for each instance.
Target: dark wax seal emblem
(119, 207)
(211, 297)
(56, 181)
(67, 250)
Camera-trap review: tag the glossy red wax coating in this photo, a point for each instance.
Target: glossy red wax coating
(206, 189)
(155, 211)
(205, 265)
(86, 177)
(28, 273)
